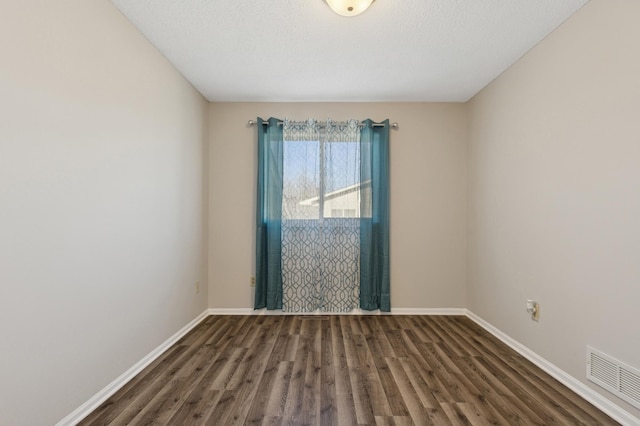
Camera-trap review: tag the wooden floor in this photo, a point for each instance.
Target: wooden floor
(343, 370)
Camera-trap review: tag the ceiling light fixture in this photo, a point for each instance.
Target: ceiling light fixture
(349, 7)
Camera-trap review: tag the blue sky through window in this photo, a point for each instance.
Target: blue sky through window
(302, 163)
(303, 177)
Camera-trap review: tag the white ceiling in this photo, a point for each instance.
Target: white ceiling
(299, 50)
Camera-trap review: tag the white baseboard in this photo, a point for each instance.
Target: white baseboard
(428, 311)
(232, 311)
(398, 311)
(85, 409)
(608, 407)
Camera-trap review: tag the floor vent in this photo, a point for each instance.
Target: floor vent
(618, 378)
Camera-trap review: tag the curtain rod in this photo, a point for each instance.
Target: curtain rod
(253, 123)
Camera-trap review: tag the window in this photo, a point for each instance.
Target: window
(321, 179)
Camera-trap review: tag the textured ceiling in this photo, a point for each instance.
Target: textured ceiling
(299, 50)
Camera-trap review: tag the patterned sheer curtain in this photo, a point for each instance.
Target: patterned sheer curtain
(321, 198)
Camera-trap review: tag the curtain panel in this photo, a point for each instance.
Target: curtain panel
(320, 236)
(374, 219)
(268, 293)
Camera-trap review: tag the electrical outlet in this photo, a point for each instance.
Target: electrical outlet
(197, 287)
(533, 308)
(252, 281)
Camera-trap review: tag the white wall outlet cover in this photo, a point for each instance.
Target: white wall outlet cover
(532, 306)
(534, 309)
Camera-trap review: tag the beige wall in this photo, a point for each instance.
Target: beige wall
(428, 197)
(102, 180)
(554, 184)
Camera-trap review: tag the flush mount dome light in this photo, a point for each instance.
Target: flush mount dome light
(349, 7)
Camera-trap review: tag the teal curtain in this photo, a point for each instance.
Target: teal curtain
(268, 292)
(374, 218)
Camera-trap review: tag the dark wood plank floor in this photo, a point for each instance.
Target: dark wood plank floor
(343, 370)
